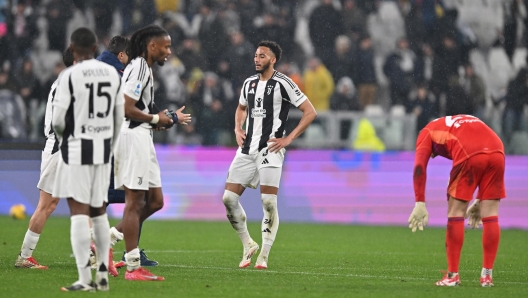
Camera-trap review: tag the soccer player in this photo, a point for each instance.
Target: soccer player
(136, 166)
(88, 112)
(478, 161)
(264, 103)
(116, 56)
(47, 203)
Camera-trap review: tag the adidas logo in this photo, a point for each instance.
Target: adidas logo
(265, 161)
(252, 91)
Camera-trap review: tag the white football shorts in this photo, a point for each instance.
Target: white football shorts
(86, 184)
(48, 168)
(245, 168)
(135, 162)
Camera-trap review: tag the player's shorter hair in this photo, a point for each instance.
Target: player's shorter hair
(83, 38)
(118, 44)
(67, 57)
(273, 46)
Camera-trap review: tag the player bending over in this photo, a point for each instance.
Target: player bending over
(478, 161)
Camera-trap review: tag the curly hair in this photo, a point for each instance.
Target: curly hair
(273, 46)
(140, 39)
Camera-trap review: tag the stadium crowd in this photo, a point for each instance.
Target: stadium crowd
(429, 58)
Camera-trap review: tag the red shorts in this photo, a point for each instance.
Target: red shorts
(483, 170)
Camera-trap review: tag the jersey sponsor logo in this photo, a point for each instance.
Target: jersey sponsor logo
(258, 111)
(94, 129)
(252, 91)
(449, 121)
(137, 90)
(457, 121)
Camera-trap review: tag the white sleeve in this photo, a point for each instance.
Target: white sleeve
(242, 100)
(295, 96)
(61, 103)
(119, 114)
(137, 79)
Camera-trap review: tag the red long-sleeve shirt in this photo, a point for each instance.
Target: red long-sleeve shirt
(454, 137)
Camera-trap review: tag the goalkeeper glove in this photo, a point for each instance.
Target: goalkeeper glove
(473, 213)
(418, 215)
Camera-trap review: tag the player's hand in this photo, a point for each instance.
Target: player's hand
(276, 144)
(240, 136)
(419, 217)
(183, 119)
(473, 213)
(164, 120)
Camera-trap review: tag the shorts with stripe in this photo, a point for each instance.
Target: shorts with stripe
(86, 184)
(136, 165)
(48, 169)
(485, 171)
(245, 168)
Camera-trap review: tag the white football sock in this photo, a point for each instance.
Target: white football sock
(236, 216)
(132, 259)
(80, 240)
(115, 236)
(30, 242)
(270, 222)
(101, 229)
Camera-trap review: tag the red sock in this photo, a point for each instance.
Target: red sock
(490, 240)
(454, 241)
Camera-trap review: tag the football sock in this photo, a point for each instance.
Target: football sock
(270, 222)
(454, 242)
(80, 240)
(115, 236)
(101, 229)
(236, 215)
(30, 242)
(490, 240)
(132, 259)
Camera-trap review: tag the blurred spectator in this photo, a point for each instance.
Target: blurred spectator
(425, 61)
(325, 26)
(422, 104)
(354, 19)
(22, 28)
(239, 55)
(103, 11)
(458, 101)
(516, 99)
(137, 14)
(58, 13)
(445, 64)
(287, 23)
(175, 31)
(318, 84)
(248, 10)
(27, 83)
(414, 27)
(514, 11)
(365, 73)
(269, 30)
(6, 83)
(190, 55)
(292, 71)
(12, 115)
(344, 97)
(209, 107)
(340, 64)
(475, 87)
(229, 17)
(212, 35)
(401, 69)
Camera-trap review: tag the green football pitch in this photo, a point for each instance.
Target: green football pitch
(200, 259)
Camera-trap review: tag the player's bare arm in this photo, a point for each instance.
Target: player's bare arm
(133, 113)
(308, 117)
(240, 117)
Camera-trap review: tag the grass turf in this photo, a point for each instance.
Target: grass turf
(200, 259)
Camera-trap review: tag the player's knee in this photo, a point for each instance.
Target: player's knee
(230, 198)
(156, 205)
(52, 206)
(269, 202)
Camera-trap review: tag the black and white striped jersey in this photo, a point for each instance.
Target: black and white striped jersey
(138, 84)
(52, 143)
(87, 96)
(268, 105)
